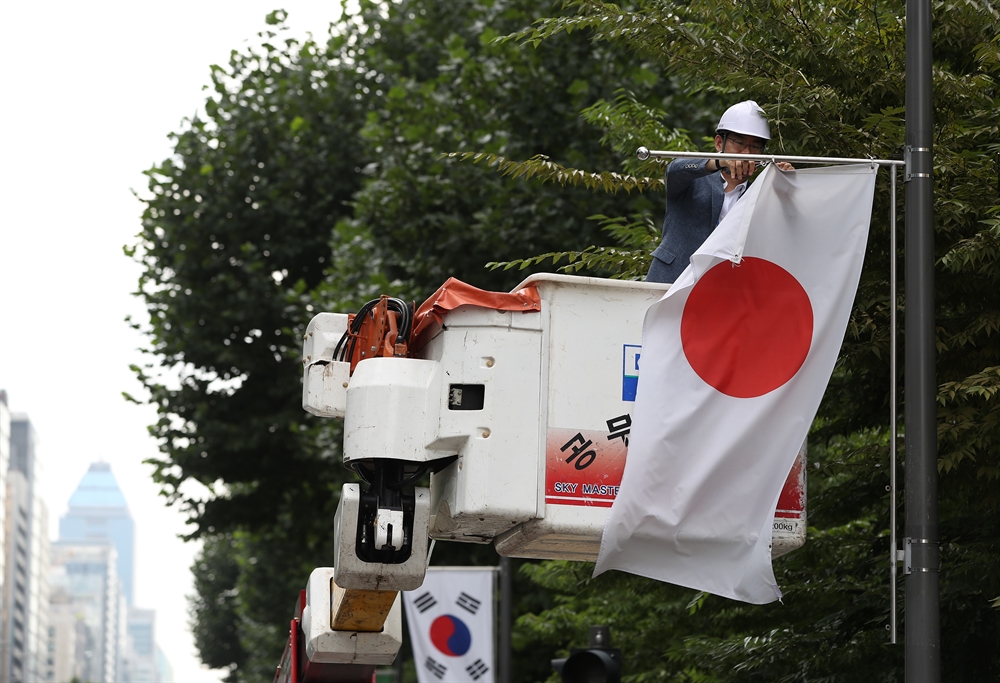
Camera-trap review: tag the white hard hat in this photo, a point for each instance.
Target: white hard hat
(746, 118)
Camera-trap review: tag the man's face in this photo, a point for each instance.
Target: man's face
(735, 143)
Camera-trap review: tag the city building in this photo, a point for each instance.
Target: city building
(96, 632)
(98, 512)
(24, 612)
(164, 671)
(142, 640)
(4, 463)
(68, 635)
(86, 629)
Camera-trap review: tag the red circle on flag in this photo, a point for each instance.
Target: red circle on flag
(746, 329)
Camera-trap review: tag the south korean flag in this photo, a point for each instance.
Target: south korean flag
(450, 618)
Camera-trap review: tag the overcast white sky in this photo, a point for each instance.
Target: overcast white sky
(88, 93)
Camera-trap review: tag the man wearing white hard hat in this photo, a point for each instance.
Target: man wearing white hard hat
(700, 192)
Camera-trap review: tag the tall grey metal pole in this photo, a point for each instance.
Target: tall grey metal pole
(506, 596)
(922, 586)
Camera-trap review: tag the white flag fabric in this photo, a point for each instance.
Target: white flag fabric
(450, 618)
(735, 359)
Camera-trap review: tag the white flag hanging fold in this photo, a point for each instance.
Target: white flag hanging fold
(450, 618)
(735, 360)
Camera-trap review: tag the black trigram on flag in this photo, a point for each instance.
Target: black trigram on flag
(424, 602)
(436, 668)
(477, 669)
(468, 603)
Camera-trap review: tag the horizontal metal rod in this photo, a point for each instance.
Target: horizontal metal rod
(644, 153)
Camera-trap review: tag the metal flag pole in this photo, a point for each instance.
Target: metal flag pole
(895, 555)
(643, 154)
(922, 585)
(893, 418)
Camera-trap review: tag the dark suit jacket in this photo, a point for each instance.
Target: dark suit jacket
(694, 201)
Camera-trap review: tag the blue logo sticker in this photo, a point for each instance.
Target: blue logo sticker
(630, 370)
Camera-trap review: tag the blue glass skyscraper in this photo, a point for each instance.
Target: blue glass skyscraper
(98, 512)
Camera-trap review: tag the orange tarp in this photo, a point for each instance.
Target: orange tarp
(455, 293)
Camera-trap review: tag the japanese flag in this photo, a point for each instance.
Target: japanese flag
(735, 359)
(450, 618)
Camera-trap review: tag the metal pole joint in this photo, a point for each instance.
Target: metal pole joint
(924, 162)
(921, 555)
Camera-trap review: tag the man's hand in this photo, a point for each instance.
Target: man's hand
(737, 169)
(740, 169)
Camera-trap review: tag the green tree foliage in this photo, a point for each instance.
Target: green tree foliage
(237, 228)
(832, 80)
(240, 214)
(313, 181)
(446, 85)
(214, 620)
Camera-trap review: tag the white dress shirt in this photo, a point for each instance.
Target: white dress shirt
(730, 198)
